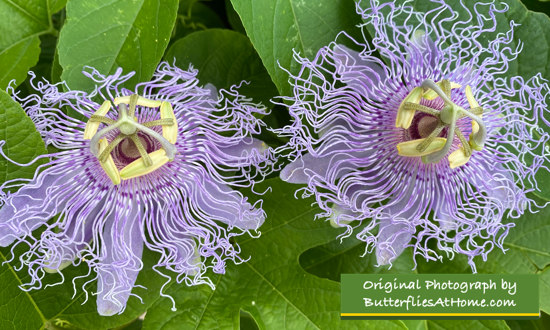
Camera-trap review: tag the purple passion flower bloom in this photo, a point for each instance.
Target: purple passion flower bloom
(427, 147)
(149, 168)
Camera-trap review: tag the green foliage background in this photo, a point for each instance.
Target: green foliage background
(291, 279)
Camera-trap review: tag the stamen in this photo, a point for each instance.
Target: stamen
(478, 111)
(470, 97)
(141, 101)
(170, 132)
(404, 117)
(438, 155)
(473, 105)
(458, 157)
(427, 141)
(159, 122)
(465, 144)
(421, 108)
(410, 148)
(428, 84)
(138, 168)
(141, 149)
(101, 119)
(105, 153)
(132, 104)
(477, 139)
(94, 143)
(92, 126)
(168, 147)
(108, 165)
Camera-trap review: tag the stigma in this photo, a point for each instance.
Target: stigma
(127, 133)
(438, 127)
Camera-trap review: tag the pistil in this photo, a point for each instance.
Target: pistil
(129, 127)
(447, 117)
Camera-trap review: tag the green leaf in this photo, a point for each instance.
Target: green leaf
(17, 308)
(21, 23)
(527, 252)
(132, 34)
(22, 141)
(223, 58)
(277, 27)
(16, 60)
(271, 286)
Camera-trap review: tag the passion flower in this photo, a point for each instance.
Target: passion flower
(153, 167)
(418, 136)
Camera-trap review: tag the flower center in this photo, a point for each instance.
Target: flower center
(431, 124)
(131, 136)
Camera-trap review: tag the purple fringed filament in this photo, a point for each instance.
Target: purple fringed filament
(149, 168)
(428, 147)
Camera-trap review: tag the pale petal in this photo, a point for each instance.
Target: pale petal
(497, 182)
(74, 238)
(392, 239)
(226, 205)
(122, 247)
(342, 216)
(213, 91)
(28, 208)
(359, 74)
(422, 53)
(307, 165)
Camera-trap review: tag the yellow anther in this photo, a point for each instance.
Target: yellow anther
(473, 104)
(405, 116)
(431, 94)
(170, 132)
(458, 158)
(109, 166)
(92, 126)
(138, 168)
(410, 148)
(141, 101)
(470, 97)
